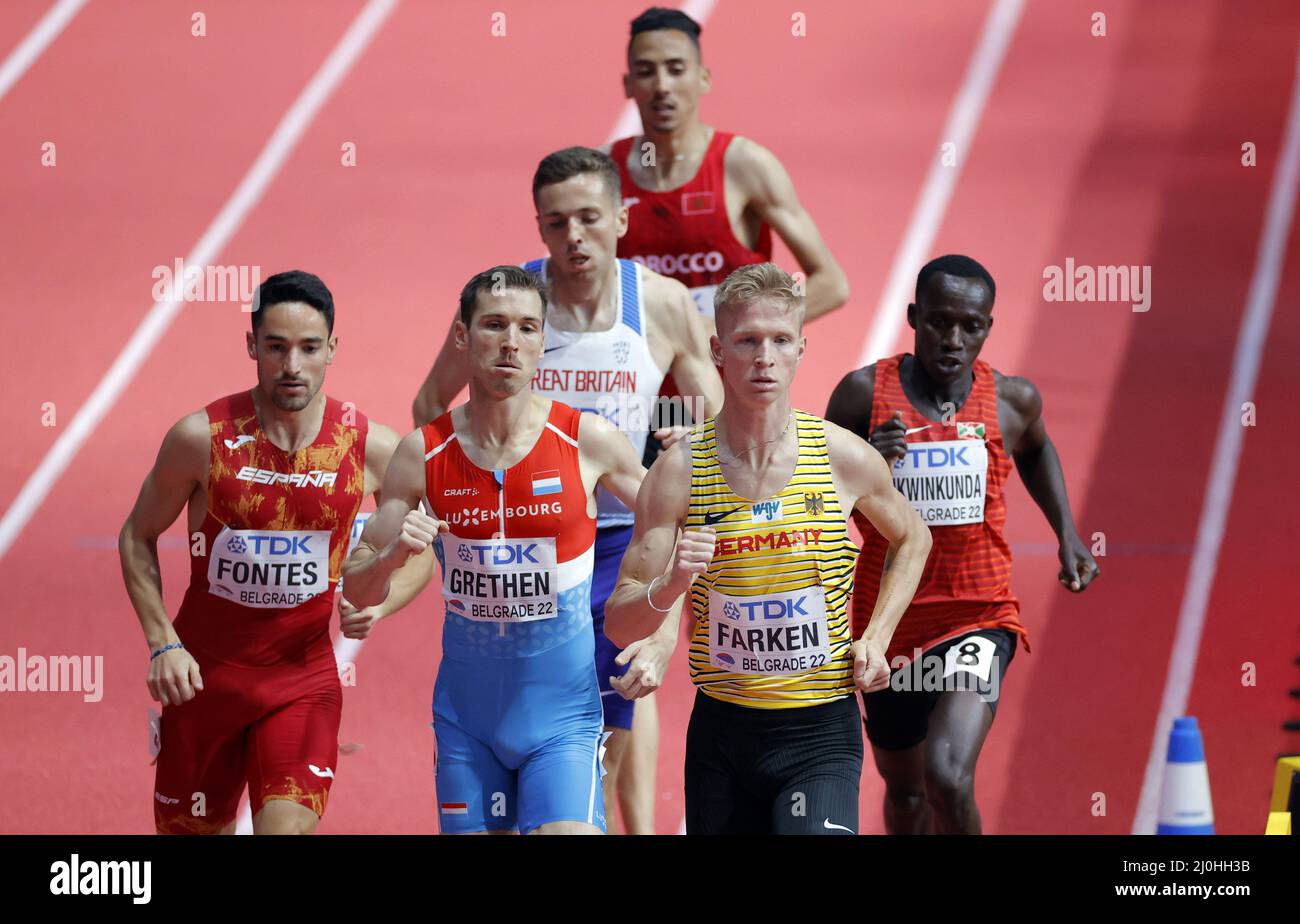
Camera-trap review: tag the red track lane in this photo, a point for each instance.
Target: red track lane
(1162, 185)
(17, 19)
(1251, 616)
(153, 132)
(449, 123)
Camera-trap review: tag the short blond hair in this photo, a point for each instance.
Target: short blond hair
(757, 282)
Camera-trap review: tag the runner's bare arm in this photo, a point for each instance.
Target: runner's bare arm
(609, 454)
(692, 367)
(397, 532)
(868, 484)
(1040, 469)
(767, 186)
(179, 470)
(413, 576)
(443, 383)
(661, 508)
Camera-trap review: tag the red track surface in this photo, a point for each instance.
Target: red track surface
(1122, 149)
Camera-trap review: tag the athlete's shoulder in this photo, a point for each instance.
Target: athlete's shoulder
(750, 164)
(666, 297)
(194, 429)
(667, 485)
(858, 385)
(1020, 394)
(187, 445)
(841, 441)
(381, 441)
(596, 435)
(852, 458)
(850, 402)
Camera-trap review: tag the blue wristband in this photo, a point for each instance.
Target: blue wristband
(165, 648)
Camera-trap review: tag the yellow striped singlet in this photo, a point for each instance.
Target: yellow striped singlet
(771, 613)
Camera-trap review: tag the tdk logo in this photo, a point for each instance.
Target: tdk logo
(501, 554)
(270, 545)
(937, 457)
(771, 609)
(768, 511)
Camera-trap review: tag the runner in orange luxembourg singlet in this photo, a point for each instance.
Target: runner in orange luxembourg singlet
(274, 478)
(950, 425)
(508, 480)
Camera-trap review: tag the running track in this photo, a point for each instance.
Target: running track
(1116, 150)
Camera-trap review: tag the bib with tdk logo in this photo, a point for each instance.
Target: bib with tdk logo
(269, 569)
(944, 480)
(772, 634)
(500, 580)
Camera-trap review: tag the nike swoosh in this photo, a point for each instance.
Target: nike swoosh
(319, 772)
(832, 827)
(917, 429)
(551, 350)
(239, 441)
(712, 519)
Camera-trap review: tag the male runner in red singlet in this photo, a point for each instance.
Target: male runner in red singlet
(702, 202)
(613, 330)
(509, 482)
(950, 425)
(273, 478)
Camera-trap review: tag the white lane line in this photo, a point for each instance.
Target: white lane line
(31, 48)
(1269, 261)
(223, 227)
(931, 206)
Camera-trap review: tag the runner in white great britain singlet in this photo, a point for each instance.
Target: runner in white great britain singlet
(609, 372)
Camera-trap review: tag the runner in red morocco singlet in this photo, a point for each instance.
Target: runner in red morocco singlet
(950, 425)
(273, 479)
(703, 202)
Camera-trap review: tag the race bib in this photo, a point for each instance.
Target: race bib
(784, 633)
(500, 580)
(944, 481)
(269, 569)
(973, 655)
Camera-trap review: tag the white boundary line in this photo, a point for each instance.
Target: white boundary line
(223, 227)
(927, 215)
(1269, 261)
(31, 48)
